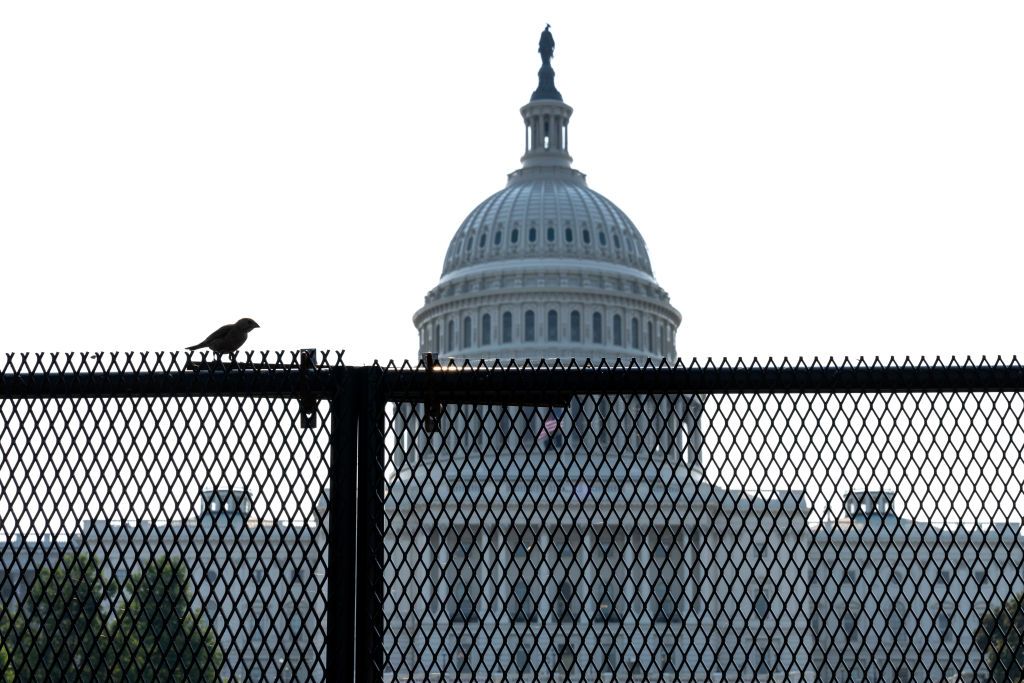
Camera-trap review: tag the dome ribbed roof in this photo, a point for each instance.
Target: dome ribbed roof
(555, 215)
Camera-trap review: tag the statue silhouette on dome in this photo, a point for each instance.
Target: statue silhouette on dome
(546, 89)
(547, 44)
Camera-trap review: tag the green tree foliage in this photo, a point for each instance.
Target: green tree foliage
(60, 632)
(6, 671)
(64, 628)
(999, 637)
(157, 635)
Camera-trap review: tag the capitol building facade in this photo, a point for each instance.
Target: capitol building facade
(586, 544)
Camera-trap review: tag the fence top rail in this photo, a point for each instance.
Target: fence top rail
(318, 375)
(543, 383)
(305, 373)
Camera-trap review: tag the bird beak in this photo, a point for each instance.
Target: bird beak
(256, 324)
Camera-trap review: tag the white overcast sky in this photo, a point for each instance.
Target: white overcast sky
(811, 178)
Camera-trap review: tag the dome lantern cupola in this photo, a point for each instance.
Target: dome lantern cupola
(546, 116)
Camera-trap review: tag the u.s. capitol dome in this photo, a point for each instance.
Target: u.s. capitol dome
(547, 267)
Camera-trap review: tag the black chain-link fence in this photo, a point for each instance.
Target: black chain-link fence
(164, 518)
(703, 523)
(168, 518)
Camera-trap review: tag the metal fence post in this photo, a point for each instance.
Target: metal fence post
(341, 569)
(369, 655)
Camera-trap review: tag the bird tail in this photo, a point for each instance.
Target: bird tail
(193, 348)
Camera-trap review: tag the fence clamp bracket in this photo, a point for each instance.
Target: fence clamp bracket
(432, 406)
(307, 404)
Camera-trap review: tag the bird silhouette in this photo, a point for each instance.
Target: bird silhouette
(229, 338)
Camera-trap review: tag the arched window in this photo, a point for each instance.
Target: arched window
(461, 577)
(610, 658)
(574, 326)
(497, 238)
(896, 618)
(586, 237)
(532, 235)
(568, 235)
(506, 328)
(566, 659)
(551, 234)
(634, 333)
(524, 559)
(525, 609)
(485, 330)
(483, 239)
(761, 604)
(598, 332)
(552, 325)
(615, 238)
(608, 589)
(849, 624)
(514, 237)
(942, 623)
(528, 327)
(467, 332)
(602, 239)
(650, 337)
(449, 342)
(566, 605)
(617, 330)
(523, 663)
(668, 590)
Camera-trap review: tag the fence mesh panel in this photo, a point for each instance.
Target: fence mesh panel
(167, 529)
(164, 517)
(631, 534)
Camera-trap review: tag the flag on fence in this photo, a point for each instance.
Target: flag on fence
(551, 427)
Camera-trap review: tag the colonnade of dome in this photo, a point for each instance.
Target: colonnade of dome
(589, 327)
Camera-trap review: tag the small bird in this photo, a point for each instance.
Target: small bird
(229, 338)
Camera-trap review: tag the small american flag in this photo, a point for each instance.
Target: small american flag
(552, 423)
